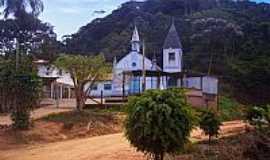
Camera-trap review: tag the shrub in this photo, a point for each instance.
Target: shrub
(159, 122)
(230, 109)
(210, 123)
(259, 116)
(26, 89)
(21, 119)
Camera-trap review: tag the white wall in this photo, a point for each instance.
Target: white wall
(50, 71)
(193, 82)
(172, 66)
(126, 64)
(100, 87)
(210, 85)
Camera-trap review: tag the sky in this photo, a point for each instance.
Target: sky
(67, 16)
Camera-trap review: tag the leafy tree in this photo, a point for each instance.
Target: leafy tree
(159, 122)
(210, 123)
(32, 35)
(19, 91)
(85, 71)
(19, 7)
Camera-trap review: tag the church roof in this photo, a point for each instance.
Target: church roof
(172, 40)
(135, 36)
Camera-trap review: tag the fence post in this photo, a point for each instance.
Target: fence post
(101, 97)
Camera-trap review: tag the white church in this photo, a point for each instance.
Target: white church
(128, 76)
(135, 73)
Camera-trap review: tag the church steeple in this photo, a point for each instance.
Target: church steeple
(154, 63)
(172, 40)
(172, 52)
(135, 41)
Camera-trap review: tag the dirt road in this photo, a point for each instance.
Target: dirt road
(110, 147)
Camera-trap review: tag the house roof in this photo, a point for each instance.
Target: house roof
(172, 40)
(40, 61)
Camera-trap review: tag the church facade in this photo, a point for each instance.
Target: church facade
(172, 59)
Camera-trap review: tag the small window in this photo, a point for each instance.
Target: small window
(107, 87)
(171, 56)
(134, 64)
(94, 87)
(47, 71)
(60, 72)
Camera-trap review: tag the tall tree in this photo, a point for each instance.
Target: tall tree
(85, 71)
(18, 8)
(32, 35)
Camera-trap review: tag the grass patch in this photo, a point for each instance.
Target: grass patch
(117, 109)
(230, 109)
(75, 117)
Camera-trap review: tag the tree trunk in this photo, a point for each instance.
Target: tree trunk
(80, 98)
(159, 156)
(80, 103)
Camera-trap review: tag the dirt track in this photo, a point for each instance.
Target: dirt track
(110, 147)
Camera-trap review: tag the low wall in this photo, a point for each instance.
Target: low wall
(199, 99)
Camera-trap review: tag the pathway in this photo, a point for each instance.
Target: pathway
(110, 147)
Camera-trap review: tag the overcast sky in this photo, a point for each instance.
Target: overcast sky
(69, 15)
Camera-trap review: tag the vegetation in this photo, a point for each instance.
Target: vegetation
(18, 8)
(227, 38)
(85, 71)
(19, 91)
(259, 116)
(245, 146)
(19, 84)
(210, 123)
(25, 33)
(230, 109)
(75, 117)
(159, 122)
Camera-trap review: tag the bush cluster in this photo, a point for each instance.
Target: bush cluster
(159, 122)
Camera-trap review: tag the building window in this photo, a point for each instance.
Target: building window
(172, 82)
(107, 87)
(94, 87)
(134, 64)
(171, 56)
(47, 71)
(60, 72)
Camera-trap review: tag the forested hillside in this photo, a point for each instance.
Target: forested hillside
(226, 38)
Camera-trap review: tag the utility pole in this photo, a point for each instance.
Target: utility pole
(144, 70)
(17, 53)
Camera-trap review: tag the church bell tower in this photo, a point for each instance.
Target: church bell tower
(172, 52)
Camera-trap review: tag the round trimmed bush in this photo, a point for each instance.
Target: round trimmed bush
(159, 122)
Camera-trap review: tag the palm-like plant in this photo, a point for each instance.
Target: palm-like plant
(19, 7)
